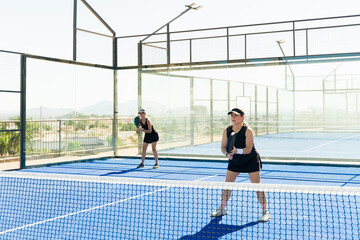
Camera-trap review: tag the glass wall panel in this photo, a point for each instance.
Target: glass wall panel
(166, 100)
(69, 111)
(287, 124)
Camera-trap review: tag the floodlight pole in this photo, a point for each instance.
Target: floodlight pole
(189, 7)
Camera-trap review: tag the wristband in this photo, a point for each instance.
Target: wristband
(239, 151)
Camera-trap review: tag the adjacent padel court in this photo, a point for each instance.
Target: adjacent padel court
(112, 199)
(338, 146)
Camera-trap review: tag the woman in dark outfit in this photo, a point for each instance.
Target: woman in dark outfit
(151, 136)
(242, 159)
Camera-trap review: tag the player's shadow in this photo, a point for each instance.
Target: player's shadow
(119, 172)
(215, 230)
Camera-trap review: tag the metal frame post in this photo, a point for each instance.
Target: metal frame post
(23, 112)
(192, 112)
(115, 98)
(168, 44)
(59, 137)
(74, 30)
(211, 111)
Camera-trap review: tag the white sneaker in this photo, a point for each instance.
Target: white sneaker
(219, 212)
(156, 166)
(265, 216)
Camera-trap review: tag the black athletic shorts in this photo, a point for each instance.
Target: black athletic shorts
(245, 163)
(151, 137)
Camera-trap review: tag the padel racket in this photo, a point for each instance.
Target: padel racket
(231, 142)
(137, 121)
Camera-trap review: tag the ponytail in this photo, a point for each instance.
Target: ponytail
(245, 124)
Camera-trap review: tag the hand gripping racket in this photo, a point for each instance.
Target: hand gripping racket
(231, 142)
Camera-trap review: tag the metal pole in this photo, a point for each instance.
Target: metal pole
(192, 111)
(227, 45)
(294, 48)
(267, 110)
(116, 112)
(98, 17)
(245, 54)
(307, 42)
(168, 43)
(190, 49)
(139, 90)
(256, 111)
(23, 112)
(211, 111)
(59, 137)
(74, 30)
(277, 111)
(228, 99)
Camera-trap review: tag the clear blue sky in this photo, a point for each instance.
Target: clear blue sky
(44, 27)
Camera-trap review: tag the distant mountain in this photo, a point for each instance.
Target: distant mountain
(100, 108)
(105, 108)
(47, 113)
(71, 115)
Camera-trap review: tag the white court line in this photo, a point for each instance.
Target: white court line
(205, 178)
(85, 210)
(324, 144)
(90, 209)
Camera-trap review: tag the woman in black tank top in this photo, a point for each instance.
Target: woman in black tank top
(243, 158)
(151, 137)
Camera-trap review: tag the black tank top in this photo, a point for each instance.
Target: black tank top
(146, 127)
(240, 141)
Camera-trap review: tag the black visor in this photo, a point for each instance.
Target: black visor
(237, 111)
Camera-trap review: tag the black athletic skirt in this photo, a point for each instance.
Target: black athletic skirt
(151, 137)
(245, 163)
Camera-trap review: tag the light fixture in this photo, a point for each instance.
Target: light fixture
(193, 6)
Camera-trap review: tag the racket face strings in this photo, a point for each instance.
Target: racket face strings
(231, 142)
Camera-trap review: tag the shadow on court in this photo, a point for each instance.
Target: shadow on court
(215, 230)
(119, 172)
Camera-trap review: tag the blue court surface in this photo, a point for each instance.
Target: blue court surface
(309, 145)
(93, 208)
(210, 171)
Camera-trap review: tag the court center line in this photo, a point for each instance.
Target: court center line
(324, 144)
(205, 178)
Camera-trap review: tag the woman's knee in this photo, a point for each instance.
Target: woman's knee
(153, 147)
(255, 177)
(231, 176)
(145, 145)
